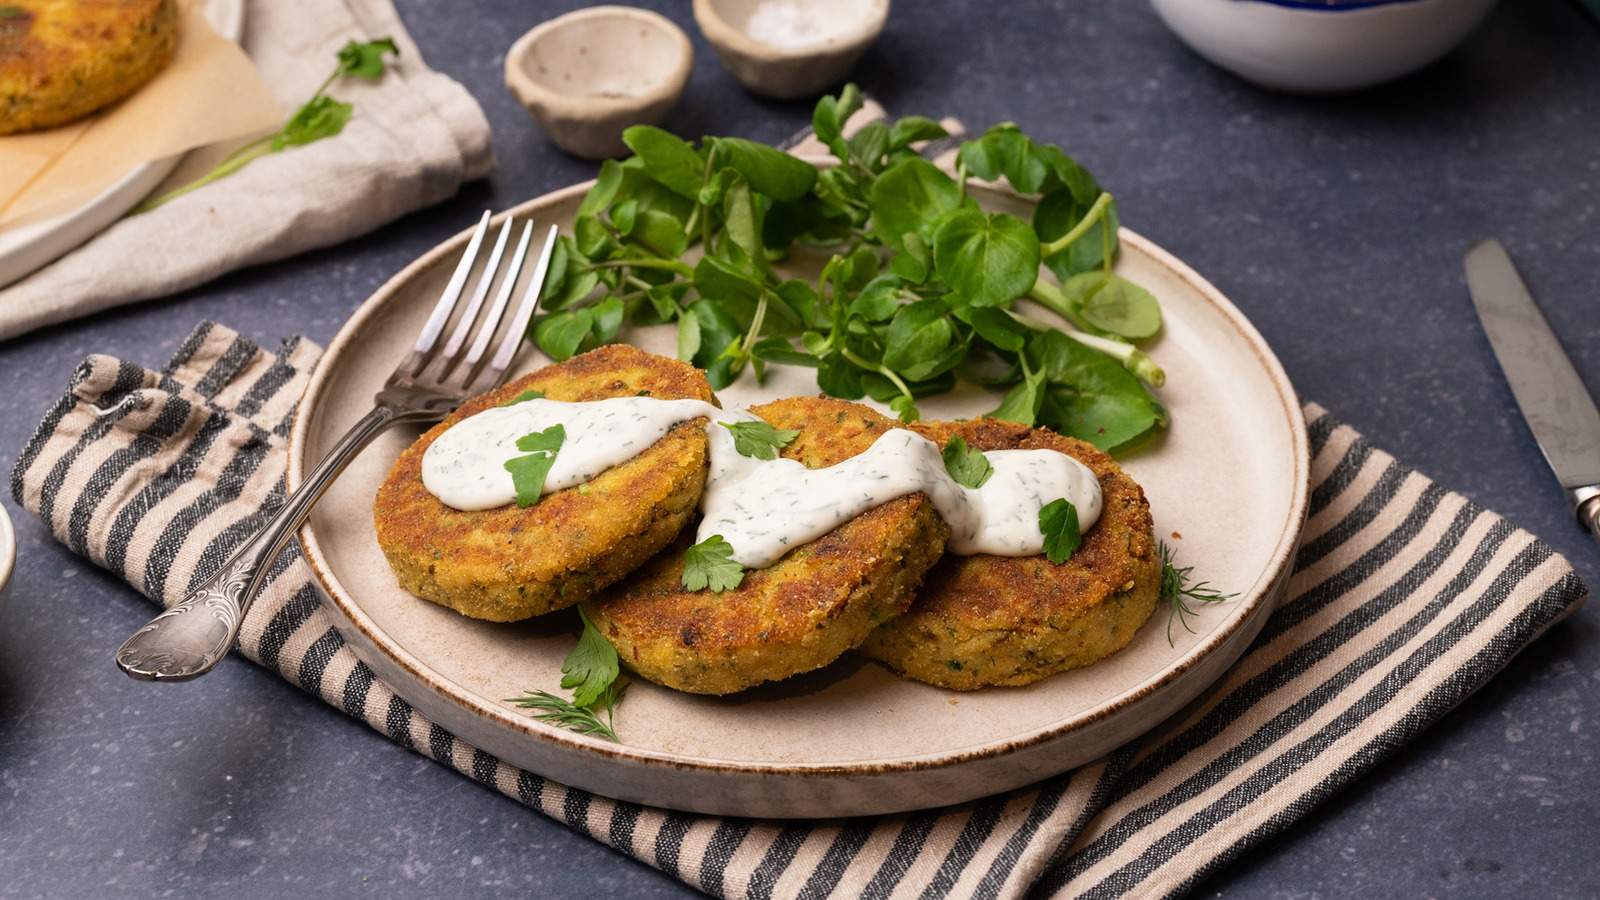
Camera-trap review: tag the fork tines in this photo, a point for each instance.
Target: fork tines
(446, 366)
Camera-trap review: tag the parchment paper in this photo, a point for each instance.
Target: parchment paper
(209, 93)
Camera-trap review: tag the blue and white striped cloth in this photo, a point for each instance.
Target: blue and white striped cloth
(1405, 599)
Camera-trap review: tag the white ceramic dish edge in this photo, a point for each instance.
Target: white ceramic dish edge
(30, 247)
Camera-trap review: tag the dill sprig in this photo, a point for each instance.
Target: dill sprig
(582, 719)
(1177, 590)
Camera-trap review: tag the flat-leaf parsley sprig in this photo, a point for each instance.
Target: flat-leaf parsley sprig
(1176, 589)
(528, 472)
(710, 563)
(592, 670)
(320, 117)
(759, 440)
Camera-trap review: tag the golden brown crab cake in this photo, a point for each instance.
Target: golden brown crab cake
(802, 612)
(981, 620)
(63, 59)
(507, 563)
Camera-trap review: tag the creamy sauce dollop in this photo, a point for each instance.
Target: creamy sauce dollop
(763, 508)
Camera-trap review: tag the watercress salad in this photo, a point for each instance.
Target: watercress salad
(920, 286)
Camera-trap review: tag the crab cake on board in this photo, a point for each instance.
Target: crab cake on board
(981, 621)
(800, 613)
(510, 563)
(63, 59)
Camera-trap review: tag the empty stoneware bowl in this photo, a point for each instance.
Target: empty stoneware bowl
(789, 49)
(1321, 46)
(587, 75)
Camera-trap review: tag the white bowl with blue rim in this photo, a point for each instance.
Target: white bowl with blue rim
(1322, 46)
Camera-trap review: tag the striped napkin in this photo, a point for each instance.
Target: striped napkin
(1405, 599)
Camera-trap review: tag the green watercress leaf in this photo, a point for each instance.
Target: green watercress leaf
(1023, 402)
(561, 335)
(988, 259)
(769, 171)
(710, 564)
(604, 191)
(996, 327)
(879, 299)
(1115, 305)
(907, 195)
(660, 232)
(1058, 519)
(967, 466)
(668, 158)
(525, 396)
(919, 331)
(1091, 396)
(759, 440)
(911, 129)
(868, 145)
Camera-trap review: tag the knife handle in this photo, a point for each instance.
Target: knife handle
(1589, 514)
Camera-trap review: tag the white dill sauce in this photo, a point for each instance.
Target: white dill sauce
(763, 508)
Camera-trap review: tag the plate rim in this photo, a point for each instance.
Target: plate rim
(1261, 592)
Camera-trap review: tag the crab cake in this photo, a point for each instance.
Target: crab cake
(802, 612)
(993, 620)
(509, 563)
(63, 59)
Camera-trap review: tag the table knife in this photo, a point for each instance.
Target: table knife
(1559, 410)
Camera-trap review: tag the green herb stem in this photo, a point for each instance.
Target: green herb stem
(1132, 358)
(1052, 297)
(670, 265)
(230, 164)
(1090, 218)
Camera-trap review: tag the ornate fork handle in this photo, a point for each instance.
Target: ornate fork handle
(190, 638)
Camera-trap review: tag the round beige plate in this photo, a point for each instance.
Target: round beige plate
(1230, 477)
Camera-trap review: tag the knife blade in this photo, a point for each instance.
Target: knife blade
(1558, 408)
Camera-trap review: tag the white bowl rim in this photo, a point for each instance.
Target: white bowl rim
(724, 34)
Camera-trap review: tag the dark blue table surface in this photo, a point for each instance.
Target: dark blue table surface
(1336, 224)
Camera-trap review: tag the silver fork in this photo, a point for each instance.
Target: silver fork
(189, 639)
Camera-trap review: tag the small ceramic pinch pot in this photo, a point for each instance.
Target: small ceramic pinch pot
(587, 75)
(790, 49)
(1322, 46)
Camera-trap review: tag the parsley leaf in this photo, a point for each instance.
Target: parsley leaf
(525, 395)
(320, 117)
(710, 564)
(591, 666)
(592, 669)
(366, 60)
(758, 439)
(968, 466)
(1058, 519)
(528, 472)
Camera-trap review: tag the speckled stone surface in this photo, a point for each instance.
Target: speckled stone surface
(1336, 224)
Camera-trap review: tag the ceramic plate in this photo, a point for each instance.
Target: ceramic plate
(32, 246)
(1230, 477)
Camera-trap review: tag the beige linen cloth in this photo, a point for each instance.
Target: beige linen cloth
(415, 138)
